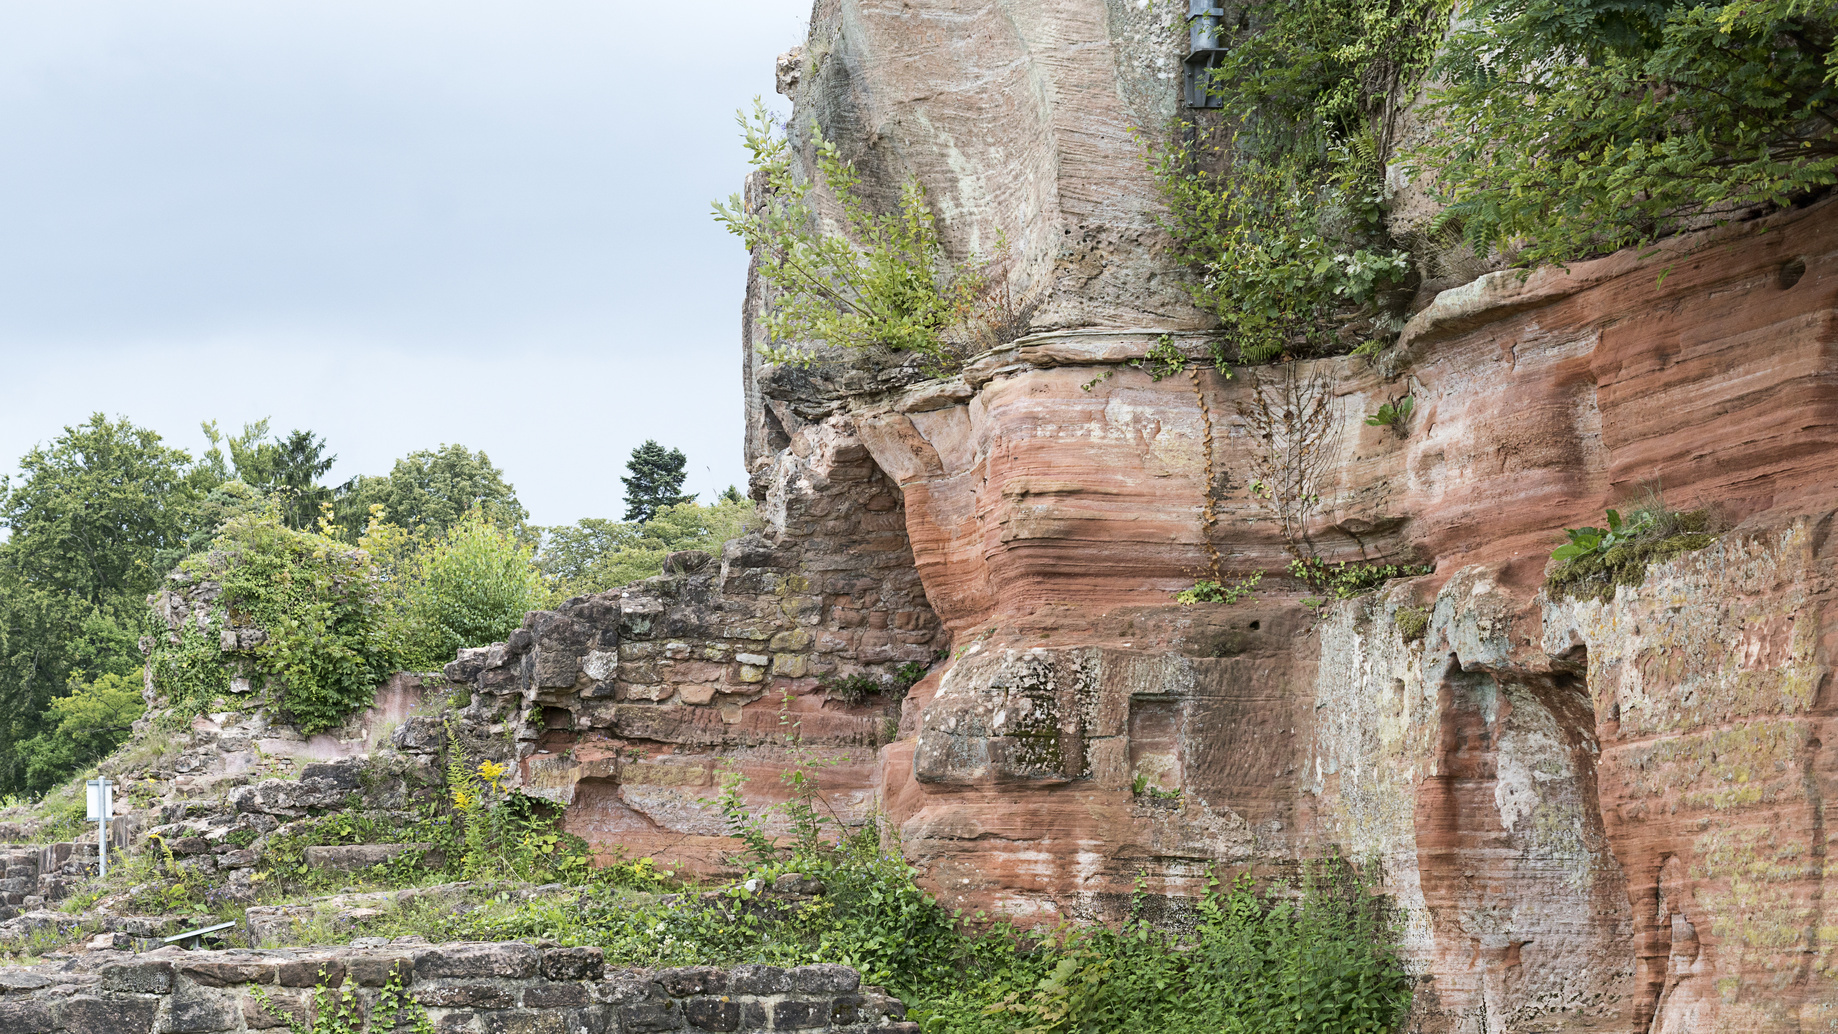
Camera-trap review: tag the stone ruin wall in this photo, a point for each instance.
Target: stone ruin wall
(465, 988)
(628, 708)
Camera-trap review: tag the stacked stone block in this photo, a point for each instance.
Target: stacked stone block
(475, 988)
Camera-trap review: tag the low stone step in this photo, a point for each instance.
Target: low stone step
(360, 856)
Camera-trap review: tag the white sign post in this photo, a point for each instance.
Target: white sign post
(101, 798)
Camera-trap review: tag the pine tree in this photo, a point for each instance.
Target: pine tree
(655, 481)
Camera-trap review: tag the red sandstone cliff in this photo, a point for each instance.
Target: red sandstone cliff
(1594, 816)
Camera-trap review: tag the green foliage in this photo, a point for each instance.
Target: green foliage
(90, 723)
(594, 555)
(429, 492)
(1596, 560)
(284, 470)
(92, 521)
(325, 642)
(469, 588)
(341, 1009)
(1577, 127)
(1343, 581)
(1279, 207)
(875, 280)
(189, 669)
(1412, 623)
(653, 481)
(1394, 415)
(1163, 359)
(1213, 592)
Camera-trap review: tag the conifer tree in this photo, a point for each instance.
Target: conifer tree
(654, 480)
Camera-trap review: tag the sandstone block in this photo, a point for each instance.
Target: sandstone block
(150, 976)
(573, 964)
(649, 1016)
(623, 988)
(199, 1011)
(467, 996)
(823, 978)
(510, 959)
(758, 980)
(796, 1015)
(709, 1013)
(556, 996)
(93, 1015)
(377, 970)
(28, 1018)
(348, 857)
(220, 971)
(507, 1022)
(280, 1007)
(692, 980)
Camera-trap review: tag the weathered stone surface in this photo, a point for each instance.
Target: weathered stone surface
(89, 1014)
(360, 856)
(506, 987)
(140, 976)
(573, 964)
(509, 959)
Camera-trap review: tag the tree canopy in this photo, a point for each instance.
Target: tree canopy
(429, 492)
(654, 480)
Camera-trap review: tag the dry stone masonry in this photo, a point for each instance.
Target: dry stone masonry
(625, 706)
(467, 988)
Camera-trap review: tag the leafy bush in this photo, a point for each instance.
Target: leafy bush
(1596, 560)
(883, 281)
(1213, 592)
(594, 555)
(469, 588)
(325, 641)
(1279, 208)
(1394, 415)
(91, 722)
(1573, 127)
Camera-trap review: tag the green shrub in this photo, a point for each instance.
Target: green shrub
(884, 281)
(325, 640)
(471, 587)
(1566, 128)
(1343, 581)
(1279, 206)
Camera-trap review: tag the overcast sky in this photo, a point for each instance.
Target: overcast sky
(396, 223)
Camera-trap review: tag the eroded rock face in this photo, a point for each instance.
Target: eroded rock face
(629, 708)
(1595, 816)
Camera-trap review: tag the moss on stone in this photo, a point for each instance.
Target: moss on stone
(1412, 623)
(1596, 576)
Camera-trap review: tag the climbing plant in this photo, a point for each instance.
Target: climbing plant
(1278, 206)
